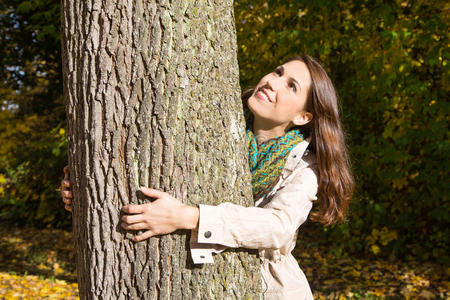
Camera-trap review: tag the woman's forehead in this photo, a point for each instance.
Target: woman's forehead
(298, 70)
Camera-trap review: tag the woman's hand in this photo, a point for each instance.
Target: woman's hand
(162, 216)
(65, 190)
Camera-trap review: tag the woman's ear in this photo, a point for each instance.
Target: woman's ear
(303, 118)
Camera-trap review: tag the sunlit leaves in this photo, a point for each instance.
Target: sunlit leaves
(34, 287)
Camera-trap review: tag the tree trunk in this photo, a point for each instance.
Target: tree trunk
(152, 98)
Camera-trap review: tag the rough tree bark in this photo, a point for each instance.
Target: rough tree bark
(152, 98)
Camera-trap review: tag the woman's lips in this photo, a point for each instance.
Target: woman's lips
(262, 95)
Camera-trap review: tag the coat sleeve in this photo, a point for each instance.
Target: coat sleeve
(268, 227)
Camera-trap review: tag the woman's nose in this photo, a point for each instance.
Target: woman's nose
(272, 83)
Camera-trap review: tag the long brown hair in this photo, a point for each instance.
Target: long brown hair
(336, 181)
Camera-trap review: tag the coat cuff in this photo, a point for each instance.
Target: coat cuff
(210, 225)
(204, 242)
(200, 253)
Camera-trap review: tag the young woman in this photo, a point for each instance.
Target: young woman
(297, 157)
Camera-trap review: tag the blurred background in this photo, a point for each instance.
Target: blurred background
(389, 63)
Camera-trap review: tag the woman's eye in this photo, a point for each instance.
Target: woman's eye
(278, 72)
(292, 87)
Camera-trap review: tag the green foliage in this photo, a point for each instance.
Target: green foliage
(32, 158)
(33, 142)
(389, 62)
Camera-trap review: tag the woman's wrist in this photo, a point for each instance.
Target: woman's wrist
(191, 215)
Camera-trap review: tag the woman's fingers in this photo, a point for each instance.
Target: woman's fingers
(152, 193)
(65, 190)
(137, 209)
(133, 209)
(144, 236)
(137, 226)
(67, 194)
(132, 219)
(65, 183)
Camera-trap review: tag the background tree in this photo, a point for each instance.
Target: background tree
(152, 99)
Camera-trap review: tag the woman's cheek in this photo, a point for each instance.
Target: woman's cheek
(253, 104)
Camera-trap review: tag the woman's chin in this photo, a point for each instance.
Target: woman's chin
(257, 109)
(255, 103)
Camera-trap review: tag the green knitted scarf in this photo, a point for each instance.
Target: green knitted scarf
(267, 159)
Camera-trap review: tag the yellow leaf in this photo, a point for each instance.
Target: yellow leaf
(2, 179)
(375, 249)
(355, 273)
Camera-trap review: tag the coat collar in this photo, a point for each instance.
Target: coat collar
(296, 154)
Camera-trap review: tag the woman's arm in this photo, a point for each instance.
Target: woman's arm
(229, 224)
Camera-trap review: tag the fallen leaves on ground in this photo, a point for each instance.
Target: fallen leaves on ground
(353, 277)
(35, 287)
(49, 254)
(45, 252)
(333, 277)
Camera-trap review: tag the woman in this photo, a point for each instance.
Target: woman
(297, 156)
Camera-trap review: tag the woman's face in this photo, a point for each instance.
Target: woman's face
(279, 98)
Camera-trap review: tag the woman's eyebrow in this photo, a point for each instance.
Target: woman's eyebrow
(280, 68)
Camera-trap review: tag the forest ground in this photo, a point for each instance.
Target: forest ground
(36, 264)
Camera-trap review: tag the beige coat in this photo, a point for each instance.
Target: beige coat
(271, 226)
